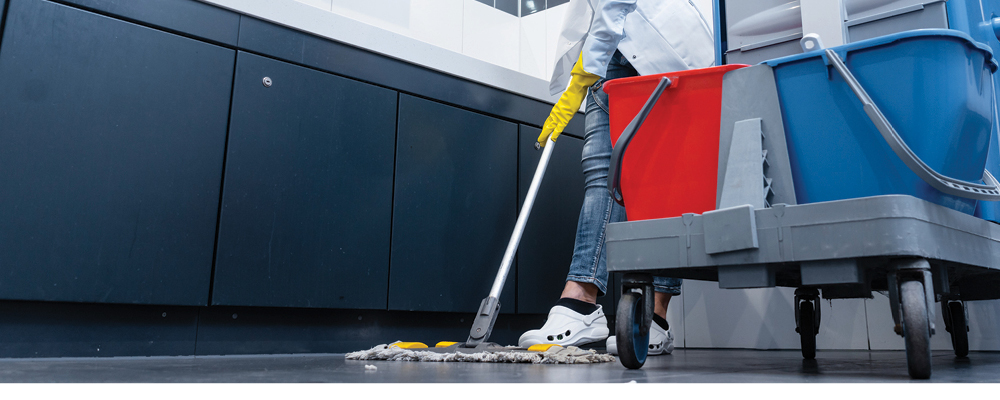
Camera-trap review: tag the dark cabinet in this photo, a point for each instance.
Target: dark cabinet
(190, 17)
(308, 190)
(111, 149)
(546, 249)
(454, 207)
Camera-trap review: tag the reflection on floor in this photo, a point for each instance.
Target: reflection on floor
(685, 365)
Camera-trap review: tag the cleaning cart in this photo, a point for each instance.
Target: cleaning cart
(838, 172)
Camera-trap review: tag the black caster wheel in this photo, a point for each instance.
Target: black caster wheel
(632, 341)
(807, 329)
(959, 328)
(807, 320)
(916, 328)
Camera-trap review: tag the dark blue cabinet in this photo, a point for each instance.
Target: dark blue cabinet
(316, 52)
(453, 209)
(308, 190)
(189, 17)
(111, 148)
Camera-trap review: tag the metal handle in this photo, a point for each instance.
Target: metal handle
(482, 326)
(940, 182)
(614, 184)
(522, 219)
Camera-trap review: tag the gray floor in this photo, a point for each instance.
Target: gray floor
(701, 366)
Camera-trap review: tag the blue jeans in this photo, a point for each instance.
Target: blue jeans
(589, 263)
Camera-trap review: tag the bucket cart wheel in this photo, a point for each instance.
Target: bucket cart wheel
(807, 320)
(954, 313)
(916, 328)
(807, 330)
(633, 320)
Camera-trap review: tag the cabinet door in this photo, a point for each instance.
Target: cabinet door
(111, 148)
(546, 249)
(453, 212)
(191, 17)
(308, 190)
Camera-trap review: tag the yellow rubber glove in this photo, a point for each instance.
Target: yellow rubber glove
(569, 102)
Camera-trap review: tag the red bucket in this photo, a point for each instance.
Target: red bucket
(671, 165)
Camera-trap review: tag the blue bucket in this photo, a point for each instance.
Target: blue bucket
(975, 18)
(933, 86)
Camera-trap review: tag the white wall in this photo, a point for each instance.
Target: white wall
(429, 33)
(763, 319)
(467, 27)
(525, 44)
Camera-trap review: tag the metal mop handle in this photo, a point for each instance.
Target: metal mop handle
(490, 307)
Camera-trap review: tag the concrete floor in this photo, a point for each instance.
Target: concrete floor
(698, 366)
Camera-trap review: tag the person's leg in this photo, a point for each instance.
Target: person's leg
(588, 274)
(583, 291)
(665, 288)
(576, 319)
(660, 304)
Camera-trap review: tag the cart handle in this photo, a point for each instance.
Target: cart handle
(948, 185)
(614, 184)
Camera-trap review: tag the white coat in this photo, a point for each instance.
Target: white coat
(660, 36)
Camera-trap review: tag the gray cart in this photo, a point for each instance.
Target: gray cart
(917, 251)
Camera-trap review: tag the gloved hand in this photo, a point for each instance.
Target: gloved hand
(569, 102)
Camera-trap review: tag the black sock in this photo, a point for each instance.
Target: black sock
(581, 307)
(661, 322)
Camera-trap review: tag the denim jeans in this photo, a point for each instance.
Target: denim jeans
(589, 263)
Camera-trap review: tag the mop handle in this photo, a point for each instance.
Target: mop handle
(522, 220)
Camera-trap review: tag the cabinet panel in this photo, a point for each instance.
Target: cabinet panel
(308, 190)
(546, 249)
(191, 17)
(317, 52)
(43, 329)
(453, 212)
(111, 153)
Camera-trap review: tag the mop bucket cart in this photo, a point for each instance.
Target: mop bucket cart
(840, 172)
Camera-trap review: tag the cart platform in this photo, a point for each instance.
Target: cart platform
(845, 242)
(917, 251)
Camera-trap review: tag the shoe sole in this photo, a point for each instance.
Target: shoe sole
(583, 338)
(652, 352)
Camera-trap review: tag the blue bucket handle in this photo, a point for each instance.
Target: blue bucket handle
(945, 184)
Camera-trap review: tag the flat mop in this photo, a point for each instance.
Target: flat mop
(476, 348)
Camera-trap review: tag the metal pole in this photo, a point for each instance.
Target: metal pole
(522, 220)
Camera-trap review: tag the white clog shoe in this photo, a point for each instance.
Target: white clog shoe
(660, 342)
(566, 327)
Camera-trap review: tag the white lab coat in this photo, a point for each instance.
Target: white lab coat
(660, 36)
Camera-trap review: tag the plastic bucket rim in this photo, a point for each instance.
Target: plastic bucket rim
(886, 40)
(614, 84)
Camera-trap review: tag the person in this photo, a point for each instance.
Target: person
(603, 40)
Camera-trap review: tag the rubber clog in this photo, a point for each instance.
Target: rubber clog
(566, 327)
(660, 342)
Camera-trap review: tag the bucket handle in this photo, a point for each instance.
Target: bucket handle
(614, 184)
(948, 185)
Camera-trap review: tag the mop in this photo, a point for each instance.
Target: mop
(549, 354)
(476, 348)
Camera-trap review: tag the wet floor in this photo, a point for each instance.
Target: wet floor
(684, 365)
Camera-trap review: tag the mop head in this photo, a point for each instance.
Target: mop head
(496, 354)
